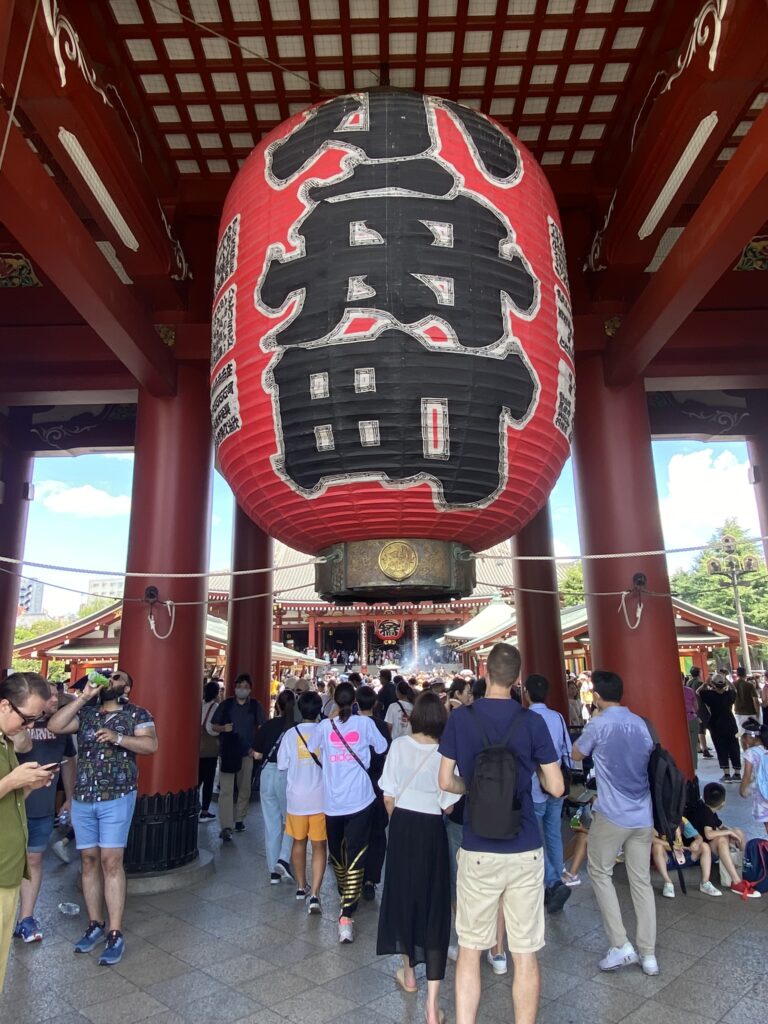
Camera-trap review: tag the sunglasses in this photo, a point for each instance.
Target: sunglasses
(26, 719)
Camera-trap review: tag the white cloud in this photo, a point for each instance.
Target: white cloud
(84, 502)
(703, 489)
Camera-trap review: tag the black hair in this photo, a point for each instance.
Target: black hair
(429, 715)
(310, 705)
(345, 698)
(695, 672)
(458, 685)
(366, 698)
(210, 690)
(713, 794)
(19, 686)
(741, 672)
(537, 688)
(285, 703)
(504, 665)
(244, 677)
(478, 688)
(385, 676)
(404, 690)
(355, 678)
(752, 725)
(608, 685)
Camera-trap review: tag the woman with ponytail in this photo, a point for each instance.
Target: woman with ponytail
(755, 741)
(272, 788)
(343, 744)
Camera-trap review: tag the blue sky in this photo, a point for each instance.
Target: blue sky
(81, 510)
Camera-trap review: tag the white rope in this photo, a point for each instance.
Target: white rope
(17, 90)
(613, 554)
(159, 575)
(171, 609)
(623, 608)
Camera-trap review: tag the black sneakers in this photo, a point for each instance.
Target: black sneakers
(369, 891)
(556, 897)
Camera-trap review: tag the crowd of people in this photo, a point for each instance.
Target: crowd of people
(448, 798)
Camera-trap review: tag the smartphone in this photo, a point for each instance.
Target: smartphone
(56, 765)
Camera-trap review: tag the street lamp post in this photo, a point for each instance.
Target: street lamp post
(735, 569)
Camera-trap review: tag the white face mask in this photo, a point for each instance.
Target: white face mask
(242, 693)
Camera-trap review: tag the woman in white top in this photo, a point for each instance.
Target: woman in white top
(415, 916)
(209, 747)
(398, 716)
(343, 744)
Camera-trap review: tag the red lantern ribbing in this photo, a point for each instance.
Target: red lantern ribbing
(392, 340)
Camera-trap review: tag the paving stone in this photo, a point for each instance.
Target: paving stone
(136, 1006)
(707, 1000)
(317, 1006)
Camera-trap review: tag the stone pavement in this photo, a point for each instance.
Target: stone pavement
(235, 949)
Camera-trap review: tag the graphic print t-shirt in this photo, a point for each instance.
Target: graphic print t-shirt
(47, 748)
(305, 780)
(347, 788)
(104, 771)
(398, 717)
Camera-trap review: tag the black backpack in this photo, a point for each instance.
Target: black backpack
(669, 793)
(493, 801)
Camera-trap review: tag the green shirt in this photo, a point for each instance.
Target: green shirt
(13, 824)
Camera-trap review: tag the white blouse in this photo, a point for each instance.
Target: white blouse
(410, 777)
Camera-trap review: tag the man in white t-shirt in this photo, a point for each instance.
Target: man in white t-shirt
(305, 818)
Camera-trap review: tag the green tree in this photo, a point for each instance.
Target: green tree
(715, 593)
(571, 585)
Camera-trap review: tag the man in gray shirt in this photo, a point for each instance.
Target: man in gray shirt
(621, 745)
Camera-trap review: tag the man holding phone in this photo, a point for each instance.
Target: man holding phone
(110, 733)
(22, 700)
(38, 744)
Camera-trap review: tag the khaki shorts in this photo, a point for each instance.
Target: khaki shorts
(301, 826)
(515, 879)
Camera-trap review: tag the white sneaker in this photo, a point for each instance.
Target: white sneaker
(668, 891)
(650, 966)
(453, 953)
(709, 890)
(346, 929)
(498, 962)
(621, 956)
(570, 880)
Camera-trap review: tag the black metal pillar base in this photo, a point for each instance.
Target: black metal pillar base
(163, 832)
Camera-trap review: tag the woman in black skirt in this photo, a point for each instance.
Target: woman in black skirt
(415, 917)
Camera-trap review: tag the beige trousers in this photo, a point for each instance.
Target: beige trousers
(605, 840)
(228, 813)
(9, 899)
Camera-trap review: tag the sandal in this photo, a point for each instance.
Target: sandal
(400, 979)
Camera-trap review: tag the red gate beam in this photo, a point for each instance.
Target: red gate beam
(733, 210)
(36, 213)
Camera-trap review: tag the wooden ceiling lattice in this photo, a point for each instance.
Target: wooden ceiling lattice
(553, 71)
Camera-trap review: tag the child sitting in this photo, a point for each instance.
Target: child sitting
(689, 848)
(755, 741)
(305, 818)
(703, 816)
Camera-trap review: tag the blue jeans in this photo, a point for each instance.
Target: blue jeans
(549, 812)
(273, 808)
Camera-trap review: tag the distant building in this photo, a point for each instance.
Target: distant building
(31, 597)
(106, 586)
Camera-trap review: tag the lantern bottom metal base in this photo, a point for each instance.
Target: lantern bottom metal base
(395, 569)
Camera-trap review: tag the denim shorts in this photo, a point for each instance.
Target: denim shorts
(39, 833)
(104, 823)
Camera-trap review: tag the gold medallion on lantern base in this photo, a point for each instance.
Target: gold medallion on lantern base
(395, 569)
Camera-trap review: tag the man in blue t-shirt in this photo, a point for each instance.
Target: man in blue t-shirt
(620, 745)
(510, 871)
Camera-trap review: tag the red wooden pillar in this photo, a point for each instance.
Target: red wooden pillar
(733, 655)
(539, 634)
(757, 446)
(311, 631)
(618, 511)
(250, 620)
(169, 533)
(15, 495)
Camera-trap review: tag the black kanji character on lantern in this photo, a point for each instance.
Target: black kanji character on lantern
(387, 124)
(402, 239)
(337, 419)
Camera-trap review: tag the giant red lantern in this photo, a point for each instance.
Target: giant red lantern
(392, 356)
